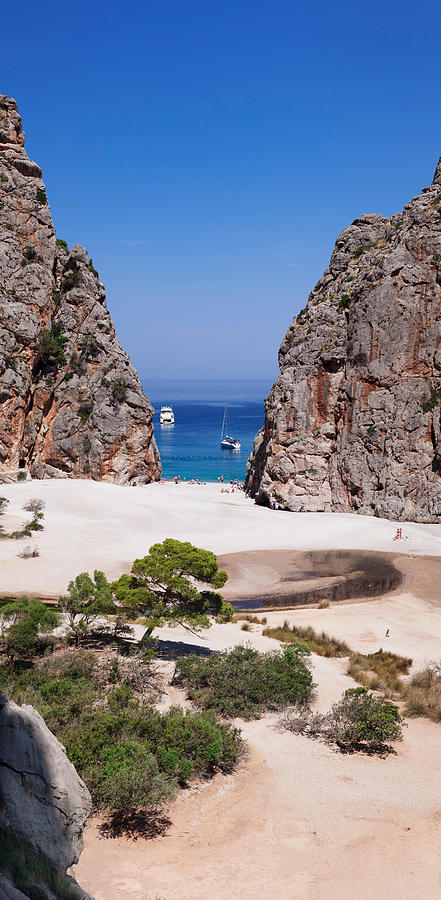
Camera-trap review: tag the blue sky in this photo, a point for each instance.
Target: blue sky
(207, 154)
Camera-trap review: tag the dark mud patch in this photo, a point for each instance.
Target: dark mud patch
(284, 579)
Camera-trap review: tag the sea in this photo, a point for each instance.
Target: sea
(191, 447)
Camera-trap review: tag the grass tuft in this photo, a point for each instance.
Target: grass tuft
(321, 643)
(380, 670)
(423, 693)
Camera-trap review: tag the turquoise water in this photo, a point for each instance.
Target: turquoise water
(191, 448)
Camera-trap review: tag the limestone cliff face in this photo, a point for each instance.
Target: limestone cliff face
(44, 806)
(71, 403)
(353, 421)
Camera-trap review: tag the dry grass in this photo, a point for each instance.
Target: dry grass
(324, 604)
(321, 643)
(380, 670)
(422, 694)
(246, 617)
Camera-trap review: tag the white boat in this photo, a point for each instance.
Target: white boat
(167, 416)
(228, 442)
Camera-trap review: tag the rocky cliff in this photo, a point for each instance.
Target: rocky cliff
(43, 808)
(353, 421)
(71, 403)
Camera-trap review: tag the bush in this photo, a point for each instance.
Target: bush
(49, 352)
(35, 505)
(71, 279)
(423, 693)
(60, 243)
(93, 270)
(21, 476)
(23, 621)
(362, 721)
(130, 754)
(30, 254)
(359, 721)
(40, 197)
(85, 410)
(380, 670)
(128, 776)
(321, 644)
(243, 682)
(432, 401)
(119, 389)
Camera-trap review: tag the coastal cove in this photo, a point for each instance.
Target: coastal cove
(191, 447)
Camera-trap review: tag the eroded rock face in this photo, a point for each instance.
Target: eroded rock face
(71, 403)
(353, 421)
(43, 800)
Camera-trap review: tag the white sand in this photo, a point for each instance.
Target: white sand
(92, 525)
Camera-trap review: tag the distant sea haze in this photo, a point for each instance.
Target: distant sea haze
(191, 448)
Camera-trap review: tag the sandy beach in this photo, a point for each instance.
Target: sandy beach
(129, 519)
(297, 820)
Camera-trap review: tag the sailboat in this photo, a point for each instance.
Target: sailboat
(228, 442)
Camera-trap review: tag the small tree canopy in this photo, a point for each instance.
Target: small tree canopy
(163, 586)
(25, 620)
(87, 600)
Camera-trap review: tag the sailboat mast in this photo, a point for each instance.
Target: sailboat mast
(224, 420)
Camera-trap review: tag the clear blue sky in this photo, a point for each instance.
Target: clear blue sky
(207, 154)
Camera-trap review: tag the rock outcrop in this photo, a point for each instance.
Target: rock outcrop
(353, 420)
(71, 403)
(43, 804)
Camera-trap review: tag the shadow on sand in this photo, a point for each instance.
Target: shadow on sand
(135, 824)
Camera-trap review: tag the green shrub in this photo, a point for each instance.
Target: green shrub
(361, 720)
(243, 682)
(29, 254)
(60, 243)
(21, 475)
(363, 249)
(22, 623)
(49, 353)
(371, 430)
(432, 401)
(128, 776)
(40, 197)
(85, 410)
(345, 301)
(129, 753)
(72, 278)
(119, 389)
(93, 270)
(321, 643)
